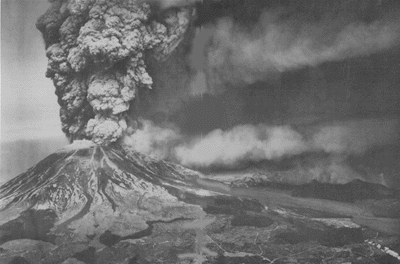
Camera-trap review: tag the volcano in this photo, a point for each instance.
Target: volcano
(90, 197)
(93, 189)
(103, 204)
(274, 95)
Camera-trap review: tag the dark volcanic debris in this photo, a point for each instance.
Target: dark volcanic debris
(31, 224)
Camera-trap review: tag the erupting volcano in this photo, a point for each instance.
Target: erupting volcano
(216, 131)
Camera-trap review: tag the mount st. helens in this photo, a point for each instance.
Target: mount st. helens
(97, 204)
(87, 195)
(96, 189)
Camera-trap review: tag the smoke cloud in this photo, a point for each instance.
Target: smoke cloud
(252, 143)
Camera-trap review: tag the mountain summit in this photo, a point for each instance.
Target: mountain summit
(91, 189)
(85, 192)
(102, 204)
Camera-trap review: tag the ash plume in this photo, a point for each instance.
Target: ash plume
(240, 144)
(252, 143)
(301, 34)
(96, 51)
(157, 142)
(105, 56)
(355, 136)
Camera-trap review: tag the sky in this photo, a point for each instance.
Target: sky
(29, 108)
(30, 123)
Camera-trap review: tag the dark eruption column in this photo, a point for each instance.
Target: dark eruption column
(96, 51)
(259, 62)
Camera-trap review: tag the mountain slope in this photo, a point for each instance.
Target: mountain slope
(93, 189)
(100, 204)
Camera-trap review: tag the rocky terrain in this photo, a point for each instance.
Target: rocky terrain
(92, 204)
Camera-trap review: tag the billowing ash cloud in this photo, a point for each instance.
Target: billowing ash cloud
(157, 142)
(240, 144)
(96, 53)
(251, 143)
(285, 38)
(97, 50)
(355, 136)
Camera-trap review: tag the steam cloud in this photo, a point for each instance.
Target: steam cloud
(252, 143)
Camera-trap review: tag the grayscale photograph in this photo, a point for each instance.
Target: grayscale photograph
(200, 132)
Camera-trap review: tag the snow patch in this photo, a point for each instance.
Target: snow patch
(337, 222)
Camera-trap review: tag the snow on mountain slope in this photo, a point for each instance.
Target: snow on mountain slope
(92, 189)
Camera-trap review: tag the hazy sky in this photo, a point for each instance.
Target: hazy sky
(29, 106)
